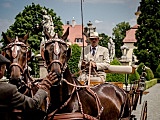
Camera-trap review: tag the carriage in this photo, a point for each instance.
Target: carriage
(69, 99)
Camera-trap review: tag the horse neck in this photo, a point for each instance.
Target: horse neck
(63, 89)
(67, 75)
(61, 93)
(26, 76)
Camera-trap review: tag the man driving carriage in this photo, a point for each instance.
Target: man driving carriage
(95, 56)
(11, 99)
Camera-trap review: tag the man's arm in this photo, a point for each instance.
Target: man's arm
(105, 63)
(25, 102)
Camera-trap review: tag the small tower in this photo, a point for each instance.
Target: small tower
(138, 12)
(89, 29)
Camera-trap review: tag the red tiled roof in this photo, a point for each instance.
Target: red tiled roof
(75, 32)
(130, 35)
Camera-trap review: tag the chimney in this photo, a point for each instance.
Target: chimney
(73, 22)
(67, 22)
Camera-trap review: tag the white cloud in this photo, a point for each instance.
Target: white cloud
(98, 21)
(98, 1)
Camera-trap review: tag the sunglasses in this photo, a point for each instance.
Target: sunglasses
(93, 38)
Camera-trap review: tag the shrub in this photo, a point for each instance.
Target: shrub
(148, 71)
(134, 76)
(157, 74)
(115, 77)
(139, 69)
(73, 61)
(150, 74)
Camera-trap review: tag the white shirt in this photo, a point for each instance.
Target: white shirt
(95, 49)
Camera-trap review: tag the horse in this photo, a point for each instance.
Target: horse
(71, 100)
(18, 52)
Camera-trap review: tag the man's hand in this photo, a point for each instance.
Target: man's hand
(48, 81)
(93, 64)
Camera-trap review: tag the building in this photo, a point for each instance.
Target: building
(130, 39)
(75, 33)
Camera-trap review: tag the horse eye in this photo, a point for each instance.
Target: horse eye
(23, 49)
(24, 54)
(7, 56)
(65, 53)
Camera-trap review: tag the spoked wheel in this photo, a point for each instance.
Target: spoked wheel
(144, 111)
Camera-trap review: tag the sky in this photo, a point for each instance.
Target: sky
(104, 14)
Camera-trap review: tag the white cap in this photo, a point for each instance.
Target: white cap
(94, 35)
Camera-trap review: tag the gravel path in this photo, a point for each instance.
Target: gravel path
(153, 103)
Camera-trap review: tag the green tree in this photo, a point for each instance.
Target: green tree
(148, 34)
(29, 20)
(140, 68)
(73, 61)
(119, 33)
(133, 77)
(158, 72)
(104, 40)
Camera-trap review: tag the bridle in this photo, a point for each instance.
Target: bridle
(56, 52)
(13, 47)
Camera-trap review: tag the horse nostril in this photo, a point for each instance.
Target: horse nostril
(58, 74)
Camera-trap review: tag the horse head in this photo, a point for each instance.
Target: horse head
(17, 51)
(56, 53)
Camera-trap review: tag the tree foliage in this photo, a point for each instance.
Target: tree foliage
(104, 40)
(29, 20)
(150, 74)
(119, 33)
(158, 72)
(148, 34)
(73, 61)
(134, 76)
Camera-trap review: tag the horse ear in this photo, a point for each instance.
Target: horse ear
(47, 35)
(65, 35)
(42, 49)
(6, 38)
(25, 38)
(69, 53)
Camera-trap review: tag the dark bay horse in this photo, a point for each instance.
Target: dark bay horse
(69, 99)
(19, 53)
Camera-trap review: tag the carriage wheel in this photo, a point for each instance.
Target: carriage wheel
(144, 111)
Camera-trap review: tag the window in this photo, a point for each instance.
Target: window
(78, 40)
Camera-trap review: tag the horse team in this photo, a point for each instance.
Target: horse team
(68, 99)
